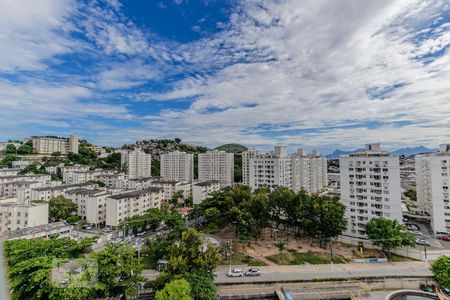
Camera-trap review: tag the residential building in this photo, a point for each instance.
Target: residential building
(48, 192)
(49, 145)
(91, 204)
(142, 182)
(177, 166)
(171, 187)
(15, 216)
(61, 229)
(201, 190)
(309, 172)
(370, 188)
(115, 181)
(20, 164)
(246, 156)
(126, 205)
(216, 165)
(10, 185)
(9, 172)
(432, 184)
(271, 170)
(137, 163)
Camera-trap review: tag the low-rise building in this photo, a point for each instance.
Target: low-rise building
(115, 181)
(15, 216)
(142, 182)
(91, 204)
(126, 205)
(9, 172)
(61, 229)
(201, 190)
(20, 164)
(171, 187)
(49, 145)
(48, 192)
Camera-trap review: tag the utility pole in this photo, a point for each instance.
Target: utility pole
(230, 253)
(331, 254)
(426, 258)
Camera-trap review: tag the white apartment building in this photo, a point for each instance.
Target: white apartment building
(49, 145)
(77, 177)
(20, 164)
(142, 182)
(9, 172)
(170, 187)
(10, 185)
(216, 165)
(271, 170)
(177, 166)
(137, 163)
(370, 188)
(309, 172)
(91, 204)
(48, 192)
(74, 168)
(15, 216)
(201, 190)
(432, 184)
(115, 181)
(129, 204)
(246, 156)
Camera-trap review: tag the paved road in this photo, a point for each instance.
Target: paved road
(314, 272)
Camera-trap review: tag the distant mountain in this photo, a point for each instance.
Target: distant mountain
(232, 148)
(413, 151)
(337, 153)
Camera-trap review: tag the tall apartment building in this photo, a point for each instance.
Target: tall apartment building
(129, 204)
(432, 184)
(49, 145)
(15, 216)
(216, 165)
(177, 166)
(246, 156)
(137, 163)
(271, 170)
(309, 172)
(370, 188)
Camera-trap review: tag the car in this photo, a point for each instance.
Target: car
(422, 242)
(441, 233)
(235, 273)
(444, 238)
(107, 229)
(140, 233)
(412, 226)
(445, 290)
(253, 272)
(416, 232)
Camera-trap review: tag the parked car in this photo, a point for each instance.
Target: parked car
(422, 242)
(441, 233)
(253, 272)
(107, 229)
(444, 238)
(140, 233)
(416, 232)
(235, 273)
(445, 290)
(412, 226)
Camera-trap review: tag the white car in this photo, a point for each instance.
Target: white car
(416, 232)
(253, 272)
(235, 273)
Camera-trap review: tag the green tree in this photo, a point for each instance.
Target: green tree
(178, 289)
(119, 270)
(25, 149)
(441, 271)
(8, 159)
(281, 246)
(389, 234)
(10, 149)
(212, 215)
(202, 286)
(411, 194)
(330, 216)
(60, 208)
(57, 153)
(155, 167)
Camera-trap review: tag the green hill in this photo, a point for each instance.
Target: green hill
(232, 148)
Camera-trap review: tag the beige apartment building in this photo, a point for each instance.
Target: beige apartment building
(216, 165)
(49, 145)
(171, 187)
(91, 204)
(177, 166)
(14, 216)
(126, 205)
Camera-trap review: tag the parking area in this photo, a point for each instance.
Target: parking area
(422, 230)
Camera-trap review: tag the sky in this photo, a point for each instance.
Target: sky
(308, 74)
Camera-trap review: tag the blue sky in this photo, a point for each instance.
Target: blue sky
(312, 74)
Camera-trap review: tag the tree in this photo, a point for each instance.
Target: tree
(411, 194)
(10, 149)
(25, 149)
(330, 216)
(441, 271)
(119, 270)
(60, 208)
(8, 159)
(389, 234)
(212, 215)
(178, 289)
(281, 246)
(155, 167)
(202, 286)
(57, 153)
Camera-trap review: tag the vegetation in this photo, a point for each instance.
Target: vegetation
(441, 270)
(156, 166)
(250, 212)
(31, 262)
(411, 194)
(8, 159)
(178, 289)
(61, 208)
(33, 169)
(232, 148)
(291, 257)
(237, 168)
(389, 234)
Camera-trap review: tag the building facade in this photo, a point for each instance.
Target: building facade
(432, 184)
(370, 188)
(246, 156)
(177, 166)
(309, 172)
(137, 163)
(216, 165)
(91, 204)
(201, 190)
(49, 145)
(15, 216)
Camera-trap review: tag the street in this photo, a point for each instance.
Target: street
(317, 272)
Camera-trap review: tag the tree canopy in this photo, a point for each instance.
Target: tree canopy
(60, 208)
(441, 271)
(178, 289)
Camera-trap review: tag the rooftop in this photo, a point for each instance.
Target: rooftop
(207, 182)
(86, 191)
(136, 193)
(64, 186)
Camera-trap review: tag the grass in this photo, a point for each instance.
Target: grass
(241, 259)
(398, 258)
(292, 257)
